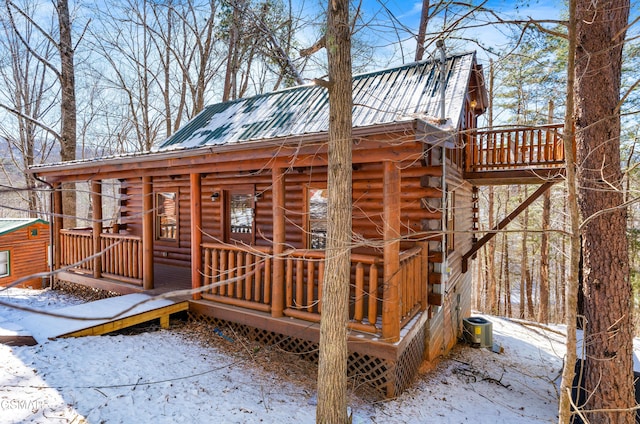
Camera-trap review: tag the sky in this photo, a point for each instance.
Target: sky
(392, 22)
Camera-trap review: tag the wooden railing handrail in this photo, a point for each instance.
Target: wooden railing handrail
(235, 248)
(120, 236)
(514, 148)
(321, 255)
(514, 128)
(77, 231)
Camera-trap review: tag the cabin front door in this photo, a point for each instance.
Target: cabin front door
(240, 215)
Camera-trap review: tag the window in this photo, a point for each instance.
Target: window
(166, 216)
(241, 209)
(5, 269)
(317, 225)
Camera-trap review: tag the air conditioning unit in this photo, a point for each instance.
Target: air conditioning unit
(478, 331)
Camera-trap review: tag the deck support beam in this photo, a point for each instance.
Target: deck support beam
(279, 240)
(195, 196)
(147, 233)
(96, 225)
(391, 252)
(524, 205)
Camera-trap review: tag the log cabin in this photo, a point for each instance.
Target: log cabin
(24, 251)
(233, 205)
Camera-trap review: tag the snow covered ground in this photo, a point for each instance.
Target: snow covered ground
(169, 376)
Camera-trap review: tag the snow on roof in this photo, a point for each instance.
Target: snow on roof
(402, 94)
(383, 97)
(8, 225)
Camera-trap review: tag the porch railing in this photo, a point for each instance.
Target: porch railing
(77, 246)
(515, 148)
(238, 276)
(413, 270)
(121, 258)
(242, 276)
(304, 278)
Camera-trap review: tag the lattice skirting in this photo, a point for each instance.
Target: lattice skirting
(367, 374)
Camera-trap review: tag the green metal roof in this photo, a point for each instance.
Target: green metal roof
(392, 95)
(8, 225)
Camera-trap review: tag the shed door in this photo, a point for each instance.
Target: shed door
(240, 215)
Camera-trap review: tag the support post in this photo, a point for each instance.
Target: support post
(391, 253)
(96, 225)
(424, 275)
(57, 226)
(195, 195)
(147, 233)
(279, 239)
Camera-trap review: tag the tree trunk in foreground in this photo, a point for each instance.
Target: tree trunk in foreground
(68, 108)
(600, 33)
(332, 363)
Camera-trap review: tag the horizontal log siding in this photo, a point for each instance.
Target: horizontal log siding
(445, 325)
(367, 198)
(27, 255)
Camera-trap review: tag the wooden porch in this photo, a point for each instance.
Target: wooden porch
(244, 278)
(514, 155)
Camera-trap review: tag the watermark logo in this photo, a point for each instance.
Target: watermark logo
(22, 404)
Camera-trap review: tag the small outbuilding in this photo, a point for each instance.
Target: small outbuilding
(24, 251)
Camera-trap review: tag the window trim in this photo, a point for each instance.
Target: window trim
(307, 214)
(229, 192)
(158, 217)
(8, 253)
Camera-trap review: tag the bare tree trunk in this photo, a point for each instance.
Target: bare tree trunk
(600, 33)
(505, 277)
(492, 300)
(422, 30)
(562, 274)
(230, 81)
(571, 308)
(332, 362)
(543, 308)
(68, 108)
(500, 281)
(543, 311)
(525, 287)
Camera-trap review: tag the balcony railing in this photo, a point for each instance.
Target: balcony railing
(515, 148)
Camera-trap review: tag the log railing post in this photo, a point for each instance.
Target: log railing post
(57, 226)
(279, 239)
(196, 232)
(147, 233)
(391, 253)
(96, 225)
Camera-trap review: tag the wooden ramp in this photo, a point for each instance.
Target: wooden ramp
(101, 317)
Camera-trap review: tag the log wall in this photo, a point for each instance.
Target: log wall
(367, 204)
(446, 323)
(28, 254)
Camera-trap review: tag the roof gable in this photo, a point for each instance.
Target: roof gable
(393, 95)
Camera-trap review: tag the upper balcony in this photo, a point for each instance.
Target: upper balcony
(514, 155)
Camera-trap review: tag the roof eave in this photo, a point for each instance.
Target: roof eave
(184, 154)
